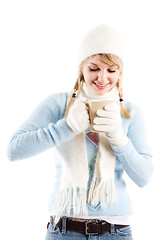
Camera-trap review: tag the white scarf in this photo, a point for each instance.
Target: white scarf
(73, 190)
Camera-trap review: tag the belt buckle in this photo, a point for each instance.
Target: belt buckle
(86, 226)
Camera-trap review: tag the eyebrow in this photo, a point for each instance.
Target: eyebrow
(98, 66)
(93, 63)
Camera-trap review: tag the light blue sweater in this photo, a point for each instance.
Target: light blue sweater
(47, 127)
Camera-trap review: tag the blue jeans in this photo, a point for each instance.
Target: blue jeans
(121, 234)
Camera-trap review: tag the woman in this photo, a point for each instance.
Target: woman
(90, 196)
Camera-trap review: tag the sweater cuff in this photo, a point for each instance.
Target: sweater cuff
(64, 133)
(120, 150)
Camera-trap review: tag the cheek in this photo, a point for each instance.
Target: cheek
(89, 77)
(114, 78)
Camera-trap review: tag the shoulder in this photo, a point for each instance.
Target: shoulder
(137, 120)
(54, 101)
(58, 98)
(53, 105)
(133, 109)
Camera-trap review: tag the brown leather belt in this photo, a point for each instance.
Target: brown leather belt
(88, 226)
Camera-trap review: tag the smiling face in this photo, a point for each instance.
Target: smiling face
(99, 76)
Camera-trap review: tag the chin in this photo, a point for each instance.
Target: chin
(101, 93)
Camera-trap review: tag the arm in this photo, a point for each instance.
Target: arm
(136, 157)
(45, 128)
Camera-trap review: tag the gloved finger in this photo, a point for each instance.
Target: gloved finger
(103, 128)
(85, 114)
(105, 121)
(106, 114)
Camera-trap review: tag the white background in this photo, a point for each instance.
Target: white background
(38, 45)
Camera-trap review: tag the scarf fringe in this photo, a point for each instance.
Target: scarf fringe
(71, 201)
(102, 192)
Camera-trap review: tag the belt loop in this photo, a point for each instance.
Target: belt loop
(64, 220)
(52, 220)
(112, 229)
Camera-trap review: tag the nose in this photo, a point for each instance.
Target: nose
(103, 76)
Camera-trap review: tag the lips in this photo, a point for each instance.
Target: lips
(100, 86)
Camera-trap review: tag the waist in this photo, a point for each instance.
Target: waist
(120, 220)
(86, 226)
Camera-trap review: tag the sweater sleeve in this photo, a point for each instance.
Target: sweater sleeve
(136, 157)
(45, 128)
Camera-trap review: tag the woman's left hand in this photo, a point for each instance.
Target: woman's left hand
(109, 121)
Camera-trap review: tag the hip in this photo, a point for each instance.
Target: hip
(84, 230)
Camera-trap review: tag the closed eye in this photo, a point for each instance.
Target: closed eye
(94, 69)
(111, 71)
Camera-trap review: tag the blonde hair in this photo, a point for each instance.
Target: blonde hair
(108, 59)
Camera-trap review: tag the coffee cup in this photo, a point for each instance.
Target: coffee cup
(93, 106)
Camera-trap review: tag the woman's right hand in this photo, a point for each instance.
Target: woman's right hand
(78, 118)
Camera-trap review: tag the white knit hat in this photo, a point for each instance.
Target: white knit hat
(101, 39)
